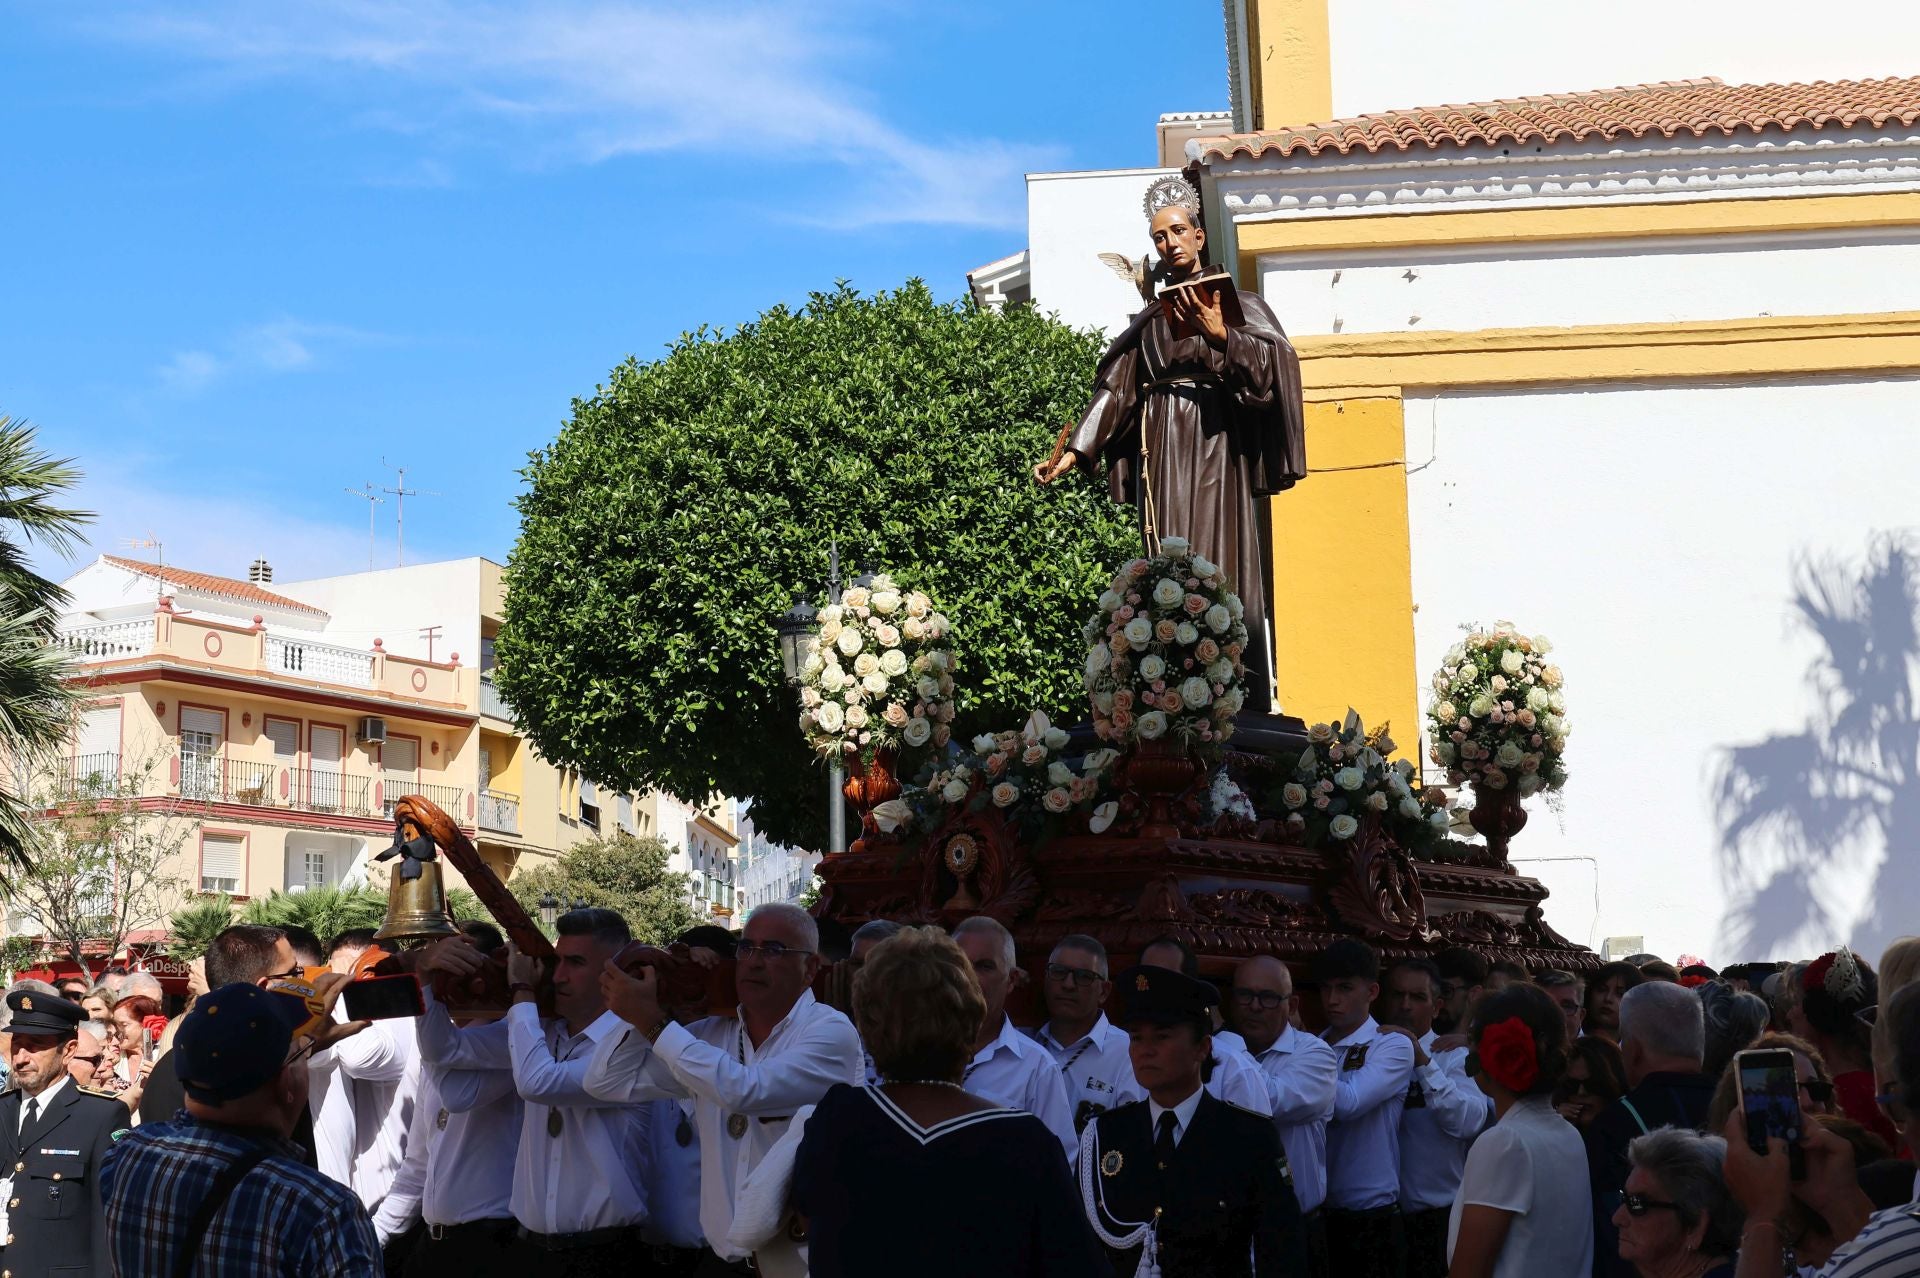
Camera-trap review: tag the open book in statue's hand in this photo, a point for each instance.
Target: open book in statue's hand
(1212, 287)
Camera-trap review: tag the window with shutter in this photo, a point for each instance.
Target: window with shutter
(222, 862)
(323, 778)
(284, 734)
(400, 764)
(201, 732)
(96, 754)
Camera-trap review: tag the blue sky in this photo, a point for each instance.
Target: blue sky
(252, 248)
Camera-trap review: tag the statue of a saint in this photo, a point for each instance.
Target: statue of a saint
(1194, 429)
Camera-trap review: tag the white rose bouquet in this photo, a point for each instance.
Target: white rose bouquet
(878, 674)
(1165, 653)
(1343, 776)
(1498, 717)
(1025, 776)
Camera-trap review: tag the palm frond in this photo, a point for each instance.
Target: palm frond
(29, 481)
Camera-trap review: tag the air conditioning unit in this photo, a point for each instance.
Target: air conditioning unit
(373, 731)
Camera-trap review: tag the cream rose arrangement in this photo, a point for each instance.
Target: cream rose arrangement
(1025, 776)
(878, 674)
(1498, 716)
(1344, 776)
(1165, 653)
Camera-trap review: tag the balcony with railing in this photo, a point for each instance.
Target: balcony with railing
(250, 650)
(92, 775)
(500, 811)
(322, 791)
(492, 704)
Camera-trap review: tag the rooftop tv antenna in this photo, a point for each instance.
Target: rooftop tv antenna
(371, 495)
(400, 495)
(151, 542)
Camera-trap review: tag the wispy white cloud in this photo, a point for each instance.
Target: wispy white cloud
(583, 81)
(282, 345)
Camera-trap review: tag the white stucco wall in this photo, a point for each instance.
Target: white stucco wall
(1652, 533)
(1073, 217)
(1579, 282)
(395, 604)
(1407, 53)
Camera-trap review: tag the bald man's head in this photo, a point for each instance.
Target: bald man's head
(1262, 1000)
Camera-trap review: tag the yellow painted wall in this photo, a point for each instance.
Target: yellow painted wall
(1343, 577)
(1291, 59)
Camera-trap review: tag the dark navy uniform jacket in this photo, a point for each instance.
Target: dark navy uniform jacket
(1225, 1202)
(55, 1227)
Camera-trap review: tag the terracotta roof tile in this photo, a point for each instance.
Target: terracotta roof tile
(1692, 107)
(207, 583)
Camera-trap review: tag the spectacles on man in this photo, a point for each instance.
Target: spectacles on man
(765, 949)
(1076, 976)
(1818, 1091)
(1638, 1205)
(1267, 999)
(89, 1060)
(303, 1048)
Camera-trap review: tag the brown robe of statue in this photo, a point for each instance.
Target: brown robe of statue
(1222, 428)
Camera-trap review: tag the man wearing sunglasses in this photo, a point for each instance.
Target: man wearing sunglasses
(747, 1075)
(89, 1057)
(1090, 1050)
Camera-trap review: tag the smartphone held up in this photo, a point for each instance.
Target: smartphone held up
(1769, 1082)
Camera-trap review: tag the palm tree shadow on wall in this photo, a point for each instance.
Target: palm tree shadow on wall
(1797, 807)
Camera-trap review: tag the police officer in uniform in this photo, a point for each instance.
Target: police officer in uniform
(1182, 1185)
(53, 1133)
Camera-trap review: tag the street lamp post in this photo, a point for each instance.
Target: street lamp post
(549, 909)
(795, 626)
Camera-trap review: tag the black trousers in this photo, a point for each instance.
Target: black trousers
(396, 1254)
(1315, 1224)
(478, 1249)
(626, 1257)
(1426, 1241)
(1366, 1244)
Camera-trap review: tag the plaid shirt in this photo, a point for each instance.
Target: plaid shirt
(284, 1220)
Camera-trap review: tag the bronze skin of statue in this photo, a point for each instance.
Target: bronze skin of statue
(1195, 429)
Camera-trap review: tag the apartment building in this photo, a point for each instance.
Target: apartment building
(291, 717)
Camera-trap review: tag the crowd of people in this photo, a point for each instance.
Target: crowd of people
(1422, 1117)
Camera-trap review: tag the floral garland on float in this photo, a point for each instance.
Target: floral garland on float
(1497, 721)
(1165, 653)
(1027, 777)
(877, 678)
(1344, 776)
(878, 674)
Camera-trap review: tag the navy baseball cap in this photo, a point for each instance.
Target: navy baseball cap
(235, 1040)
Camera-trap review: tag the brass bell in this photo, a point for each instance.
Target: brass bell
(416, 894)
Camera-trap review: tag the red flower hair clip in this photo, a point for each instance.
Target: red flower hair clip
(1693, 982)
(1508, 1055)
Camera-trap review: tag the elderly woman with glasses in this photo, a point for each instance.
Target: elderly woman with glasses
(1677, 1219)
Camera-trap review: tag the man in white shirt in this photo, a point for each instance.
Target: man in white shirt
(1301, 1075)
(1232, 1075)
(1443, 1113)
(1009, 1068)
(745, 1076)
(1090, 1050)
(1364, 1234)
(458, 1173)
(577, 1195)
(364, 1089)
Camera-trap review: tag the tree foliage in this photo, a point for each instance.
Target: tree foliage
(324, 911)
(689, 501)
(103, 866)
(621, 873)
(191, 930)
(37, 703)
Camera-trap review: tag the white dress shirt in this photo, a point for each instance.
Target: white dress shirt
(366, 1106)
(1363, 1140)
(714, 1063)
(1095, 1069)
(585, 1177)
(41, 1102)
(672, 1176)
(1302, 1074)
(1236, 1079)
(461, 1148)
(1018, 1073)
(1182, 1115)
(1444, 1111)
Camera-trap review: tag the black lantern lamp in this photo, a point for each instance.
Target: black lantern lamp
(549, 909)
(795, 628)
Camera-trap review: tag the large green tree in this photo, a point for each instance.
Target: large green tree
(690, 500)
(37, 703)
(622, 873)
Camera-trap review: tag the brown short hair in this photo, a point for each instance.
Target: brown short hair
(918, 1007)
